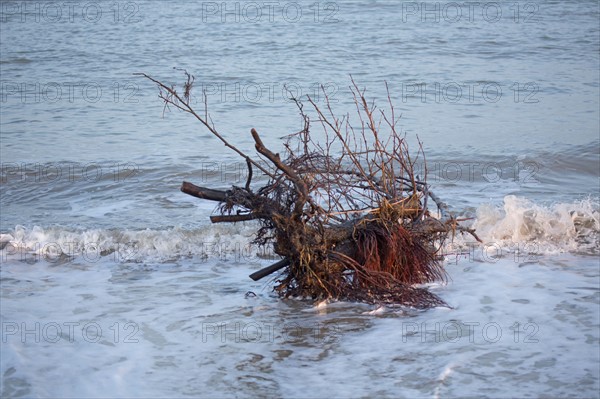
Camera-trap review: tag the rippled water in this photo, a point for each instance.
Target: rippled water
(115, 284)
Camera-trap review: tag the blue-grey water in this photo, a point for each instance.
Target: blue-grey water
(114, 283)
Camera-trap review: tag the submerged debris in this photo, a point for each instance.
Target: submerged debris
(348, 216)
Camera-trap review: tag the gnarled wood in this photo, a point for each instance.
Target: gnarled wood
(352, 224)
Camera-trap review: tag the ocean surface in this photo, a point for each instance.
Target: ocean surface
(115, 284)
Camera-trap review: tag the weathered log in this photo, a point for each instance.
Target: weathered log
(203, 192)
(233, 218)
(269, 269)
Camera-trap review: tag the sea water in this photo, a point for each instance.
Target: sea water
(115, 284)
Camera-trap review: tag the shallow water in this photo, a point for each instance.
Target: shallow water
(114, 284)
(188, 328)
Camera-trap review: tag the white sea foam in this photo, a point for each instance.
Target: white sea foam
(517, 225)
(54, 243)
(558, 227)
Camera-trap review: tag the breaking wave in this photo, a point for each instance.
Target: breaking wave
(548, 229)
(558, 227)
(56, 244)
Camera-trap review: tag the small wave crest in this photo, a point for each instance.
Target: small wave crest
(549, 229)
(56, 244)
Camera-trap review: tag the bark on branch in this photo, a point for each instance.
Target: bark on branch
(203, 192)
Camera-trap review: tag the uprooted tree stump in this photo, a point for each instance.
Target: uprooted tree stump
(348, 215)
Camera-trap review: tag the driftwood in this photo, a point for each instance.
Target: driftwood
(346, 213)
